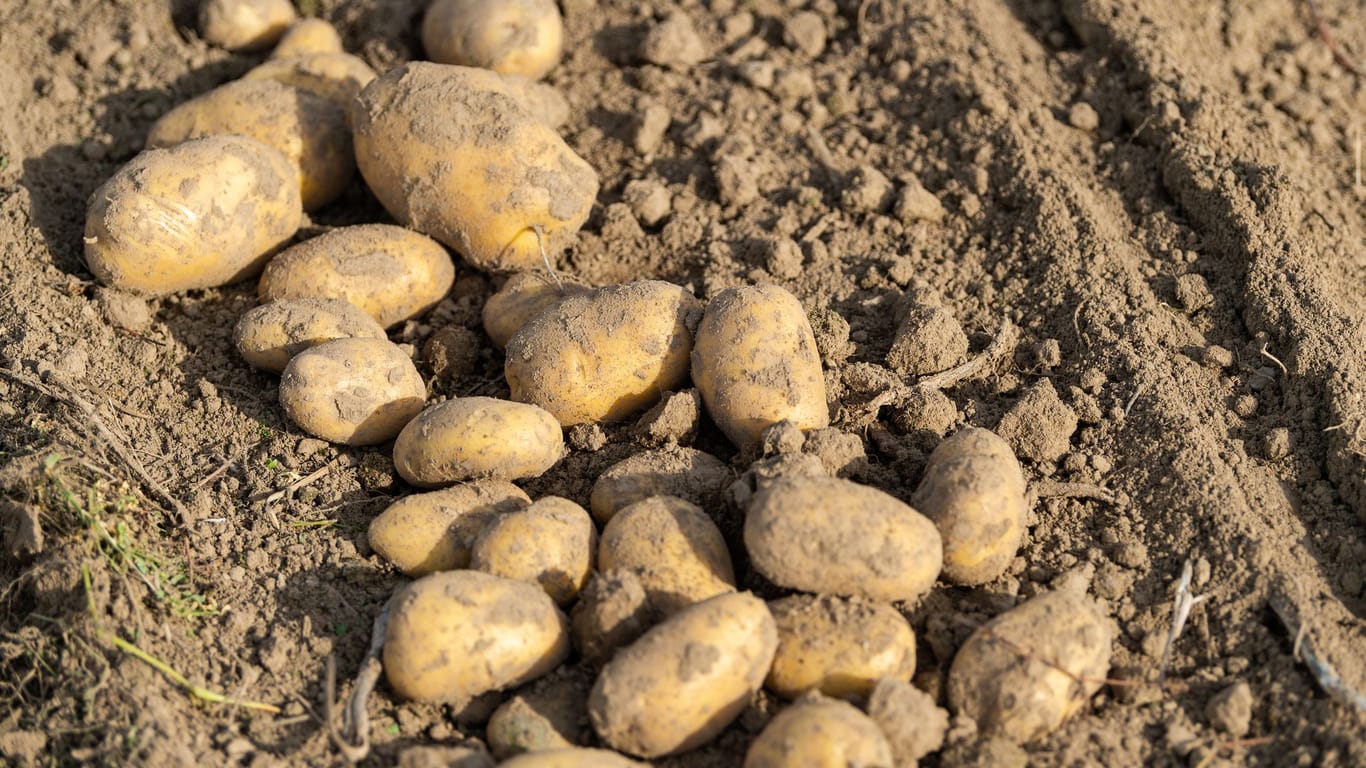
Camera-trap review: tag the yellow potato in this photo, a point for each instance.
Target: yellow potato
(307, 36)
(337, 77)
(352, 391)
(755, 363)
(571, 757)
(524, 296)
(820, 733)
(245, 25)
(524, 37)
(465, 162)
(686, 679)
(601, 357)
(429, 532)
(685, 473)
(550, 543)
(837, 646)
(673, 547)
(455, 635)
(198, 215)
(269, 335)
(473, 437)
(392, 273)
(875, 546)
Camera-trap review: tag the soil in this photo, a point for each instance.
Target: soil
(1164, 198)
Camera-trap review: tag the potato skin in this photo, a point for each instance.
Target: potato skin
(352, 391)
(601, 357)
(473, 437)
(524, 37)
(875, 547)
(269, 335)
(676, 550)
(307, 36)
(551, 543)
(454, 635)
(837, 646)
(974, 491)
(571, 757)
(198, 215)
(820, 733)
(686, 679)
(429, 532)
(685, 473)
(245, 25)
(337, 77)
(524, 296)
(755, 362)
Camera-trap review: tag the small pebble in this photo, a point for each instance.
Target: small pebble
(586, 437)
(649, 200)
(805, 32)
(1231, 710)
(674, 43)
(783, 257)
(650, 129)
(1083, 117)
(1277, 443)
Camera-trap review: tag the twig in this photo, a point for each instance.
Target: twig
(1329, 39)
(227, 462)
(545, 257)
(1180, 613)
(1133, 399)
(1028, 653)
(1273, 359)
(357, 718)
(1052, 489)
(998, 349)
(341, 461)
(1324, 673)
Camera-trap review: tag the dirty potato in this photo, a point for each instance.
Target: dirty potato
(245, 25)
(685, 473)
(612, 612)
(571, 757)
(268, 336)
(818, 732)
(524, 37)
(837, 646)
(429, 532)
(522, 297)
(336, 77)
(352, 391)
(551, 543)
(307, 36)
(673, 547)
(472, 437)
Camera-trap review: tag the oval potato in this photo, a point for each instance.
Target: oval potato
(677, 552)
(268, 336)
(522, 297)
(820, 733)
(472, 437)
(307, 36)
(352, 391)
(429, 532)
(337, 77)
(524, 37)
(550, 543)
(685, 473)
(245, 25)
(571, 757)
(837, 646)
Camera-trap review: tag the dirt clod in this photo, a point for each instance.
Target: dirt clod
(1040, 425)
(1231, 710)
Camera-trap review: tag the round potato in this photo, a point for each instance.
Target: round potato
(307, 36)
(198, 215)
(455, 635)
(473, 437)
(755, 363)
(685, 473)
(612, 612)
(686, 679)
(449, 152)
(429, 532)
(337, 77)
(550, 543)
(524, 37)
(601, 357)
(392, 273)
(820, 733)
(973, 490)
(270, 335)
(571, 757)
(524, 296)
(837, 646)
(875, 547)
(352, 391)
(675, 549)
(245, 25)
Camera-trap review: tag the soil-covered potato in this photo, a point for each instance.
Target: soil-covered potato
(522, 297)
(571, 757)
(685, 473)
(429, 532)
(307, 36)
(603, 356)
(472, 437)
(524, 37)
(337, 77)
(352, 391)
(390, 272)
(551, 543)
(914, 725)
(245, 25)
(827, 535)
(820, 733)
(612, 611)
(549, 714)
(270, 335)
(455, 635)
(677, 552)
(973, 490)
(450, 152)
(838, 646)
(686, 679)
(198, 215)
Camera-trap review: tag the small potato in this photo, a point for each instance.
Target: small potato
(875, 546)
(473, 437)
(551, 543)
(685, 473)
(455, 635)
(820, 733)
(307, 36)
(429, 532)
(686, 679)
(601, 357)
(974, 491)
(392, 273)
(198, 215)
(755, 363)
(245, 25)
(352, 391)
(1023, 673)
(675, 549)
(337, 77)
(524, 296)
(269, 335)
(549, 714)
(837, 646)
(524, 37)
(571, 757)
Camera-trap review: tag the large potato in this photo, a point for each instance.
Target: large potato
(245, 25)
(601, 357)
(466, 163)
(270, 335)
(820, 733)
(307, 36)
(571, 757)
(837, 646)
(429, 532)
(472, 437)
(686, 679)
(550, 543)
(675, 549)
(685, 473)
(198, 215)
(524, 37)
(352, 391)
(337, 77)
(455, 635)
(824, 534)
(390, 272)
(974, 491)
(524, 296)
(755, 363)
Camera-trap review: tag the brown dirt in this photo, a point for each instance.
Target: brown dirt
(1162, 196)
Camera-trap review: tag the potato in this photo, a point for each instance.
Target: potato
(820, 733)
(685, 473)
(686, 679)
(837, 646)
(551, 713)
(455, 635)
(269, 335)
(612, 612)
(524, 37)
(601, 357)
(875, 546)
(571, 757)
(307, 36)
(307, 129)
(337, 77)
(973, 490)
(524, 296)
(1023, 673)
(755, 363)
(460, 159)
(472, 437)
(429, 532)
(913, 724)
(198, 215)
(675, 549)
(245, 25)
(551, 543)
(392, 273)
(352, 391)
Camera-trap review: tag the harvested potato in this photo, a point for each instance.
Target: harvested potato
(612, 612)
(352, 391)
(390, 272)
(571, 757)
(1023, 673)
(198, 215)
(524, 37)
(449, 152)
(686, 679)
(455, 635)
(551, 543)
(307, 129)
(551, 713)
(685, 473)
(838, 646)
(429, 532)
(913, 724)
(755, 363)
(820, 733)
(973, 490)
(524, 296)
(675, 549)
(245, 25)
(269, 335)
(337, 77)
(472, 437)
(603, 356)
(875, 547)
(307, 36)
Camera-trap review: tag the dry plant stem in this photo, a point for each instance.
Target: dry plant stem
(1056, 489)
(357, 718)
(1000, 347)
(1029, 655)
(1324, 673)
(1329, 39)
(1180, 613)
(312, 477)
